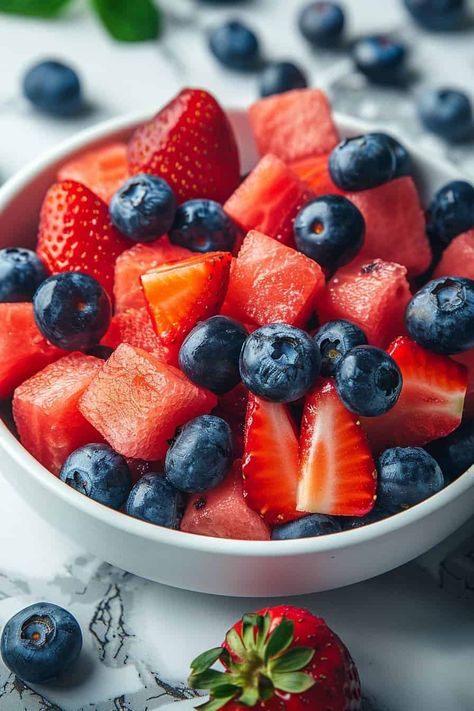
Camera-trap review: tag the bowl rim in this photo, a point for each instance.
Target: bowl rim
(180, 539)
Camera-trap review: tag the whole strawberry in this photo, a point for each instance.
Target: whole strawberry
(279, 659)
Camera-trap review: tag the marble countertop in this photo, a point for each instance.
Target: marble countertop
(410, 631)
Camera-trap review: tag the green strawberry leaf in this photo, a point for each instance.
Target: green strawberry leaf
(235, 643)
(249, 697)
(206, 660)
(294, 660)
(215, 704)
(208, 679)
(33, 8)
(293, 683)
(248, 630)
(280, 639)
(129, 20)
(264, 622)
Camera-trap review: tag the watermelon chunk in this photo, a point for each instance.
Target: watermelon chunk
(294, 125)
(315, 173)
(372, 294)
(45, 410)
(102, 170)
(134, 326)
(271, 282)
(458, 257)
(268, 200)
(137, 402)
(23, 349)
(223, 513)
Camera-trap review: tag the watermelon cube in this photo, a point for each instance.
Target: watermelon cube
(134, 326)
(294, 125)
(136, 402)
(46, 414)
(372, 294)
(458, 257)
(23, 349)
(271, 282)
(315, 173)
(102, 170)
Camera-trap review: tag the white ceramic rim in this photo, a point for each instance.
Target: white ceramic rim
(180, 539)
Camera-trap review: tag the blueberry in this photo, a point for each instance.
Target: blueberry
(406, 476)
(210, 353)
(143, 208)
(380, 58)
(440, 316)
(306, 527)
(447, 113)
(102, 352)
(450, 213)
(155, 500)
(235, 45)
(368, 381)
(438, 15)
(330, 229)
(335, 339)
(278, 77)
(54, 88)
(362, 162)
(403, 164)
(348, 523)
(21, 273)
(321, 23)
(454, 453)
(40, 642)
(72, 310)
(203, 226)
(279, 363)
(100, 473)
(200, 456)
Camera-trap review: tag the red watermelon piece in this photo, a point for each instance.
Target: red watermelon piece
(45, 410)
(271, 282)
(137, 402)
(315, 173)
(294, 125)
(458, 258)
(372, 294)
(102, 170)
(134, 326)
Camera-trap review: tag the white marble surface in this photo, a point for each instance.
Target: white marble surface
(410, 631)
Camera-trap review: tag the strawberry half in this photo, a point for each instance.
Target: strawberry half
(430, 405)
(76, 235)
(191, 144)
(182, 293)
(338, 475)
(270, 462)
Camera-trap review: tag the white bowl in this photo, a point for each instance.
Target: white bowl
(213, 565)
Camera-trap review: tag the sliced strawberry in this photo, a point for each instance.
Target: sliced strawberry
(315, 173)
(103, 170)
(270, 462)
(191, 144)
(182, 293)
(338, 475)
(76, 235)
(431, 402)
(135, 327)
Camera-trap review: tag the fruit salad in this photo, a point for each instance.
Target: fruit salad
(284, 354)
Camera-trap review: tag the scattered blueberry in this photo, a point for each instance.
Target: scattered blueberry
(306, 527)
(102, 352)
(210, 353)
(100, 473)
(21, 273)
(279, 363)
(451, 212)
(454, 453)
(54, 88)
(155, 500)
(403, 164)
(40, 642)
(440, 316)
(200, 456)
(72, 310)
(322, 23)
(278, 77)
(348, 523)
(235, 45)
(380, 58)
(143, 208)
(368, 381)
(438, 15)
(446, 112)
(203, 226)
(330, 229)
(335, 339)
(406, 476)
(362, 162)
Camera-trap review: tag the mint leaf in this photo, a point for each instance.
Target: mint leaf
(293, 683)
(33, 8)
(293, 660)
(129, 20)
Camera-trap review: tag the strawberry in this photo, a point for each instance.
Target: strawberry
(76, 235)
(338, 475)
(281, 658)
(430, 405)
(191, 144)
(270, 462)
(182, 293)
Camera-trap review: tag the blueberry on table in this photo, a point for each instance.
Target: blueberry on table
(278, 77)
(403, 164)
(40, 642)
(54, 88)
(203, 226)
(451, 212)
(21, 273)
(335, 339)
(321, 23)
(454, 453)
(406, 476)
(349, 523)
(143, 208)
(447, 113)
(362, 162)
(72, 310)
(329, 229)
(279, 363)
(306, 527)
(440, 316)
(438, 15)
(155, 500)
(368, 381)
(235, 45)
(100, 473)
(210, 353)
(380, 58)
